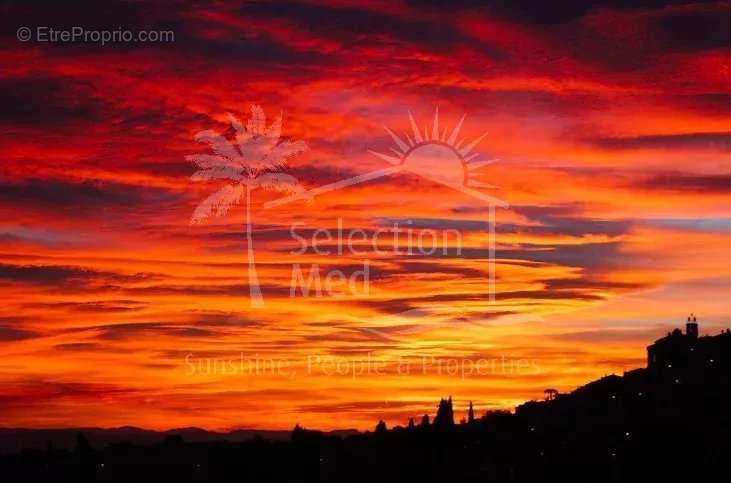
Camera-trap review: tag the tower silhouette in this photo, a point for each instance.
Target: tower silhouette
(691, 327)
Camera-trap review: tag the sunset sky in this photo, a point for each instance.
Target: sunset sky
(610, 122)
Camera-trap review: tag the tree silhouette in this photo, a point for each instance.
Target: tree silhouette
(254, 160)
(425, 420)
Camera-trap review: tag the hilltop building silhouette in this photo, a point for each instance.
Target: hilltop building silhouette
(686, 351)
(679, 367)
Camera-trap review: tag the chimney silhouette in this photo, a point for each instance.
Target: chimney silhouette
(691, 327)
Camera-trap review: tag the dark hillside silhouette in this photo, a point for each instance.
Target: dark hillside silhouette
(670, 421)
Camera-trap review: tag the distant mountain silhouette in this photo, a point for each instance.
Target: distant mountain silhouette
(16, 439)
(670, 421)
